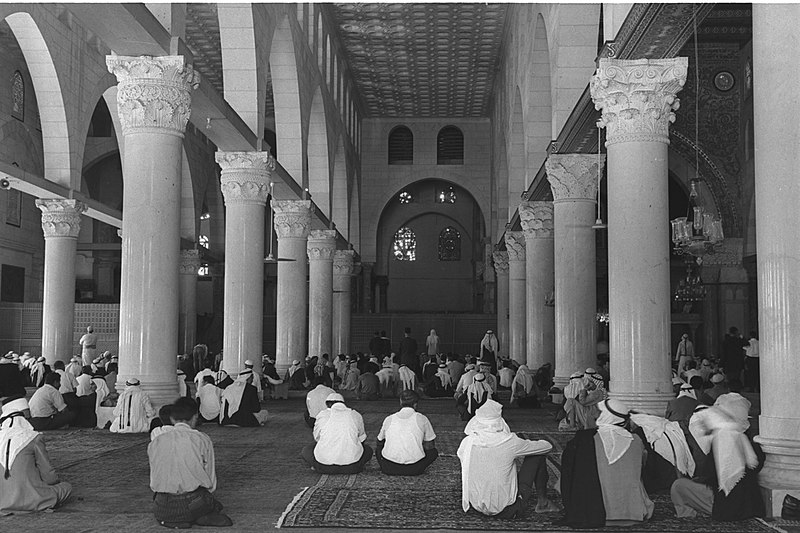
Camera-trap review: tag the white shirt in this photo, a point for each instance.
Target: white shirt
(46, 401)
(198, 378)
(404, 433)
(751, 350)
(209, 396)
(68, 382)
(506, 377)
(315, 399)
(339, 432)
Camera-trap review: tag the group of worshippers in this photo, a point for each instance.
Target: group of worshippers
(228, 401)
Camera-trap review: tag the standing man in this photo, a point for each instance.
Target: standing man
(408, 352)
(684, 353)
(751, 370)
(88, 346)
(489, 350)
(406, 443)
(732, 357)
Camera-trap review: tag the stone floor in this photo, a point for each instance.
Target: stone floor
(259, 469)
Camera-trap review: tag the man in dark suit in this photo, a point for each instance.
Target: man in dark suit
(408, 352)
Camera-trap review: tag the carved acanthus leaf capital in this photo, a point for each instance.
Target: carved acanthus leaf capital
(153, 92)
(321, 245)
(573, 176)
(292, 218)
(638, 97)
(500, 260)
(515, 244)
(245, 176)
(343, 263)
(536, 219)
(61, 217)
(189, 262)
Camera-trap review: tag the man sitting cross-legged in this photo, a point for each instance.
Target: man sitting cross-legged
(48, 409)
(493, 482)
(134, 411)
(27, 480)
(240, 405)
(406, 442)
(339, 432)
(182, 472)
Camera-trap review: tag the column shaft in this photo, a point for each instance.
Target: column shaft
(501, 270)
(515, 243)
(154, 103)
(342, 272)
(292, 223)
(187, 321)
(637, 98)
(320, 248)
(777, 217)
(61, 223)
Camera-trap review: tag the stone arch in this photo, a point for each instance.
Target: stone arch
(49, 97)
(517, 173)
(339, 188)
(286, 93)
(540, 110)
(504, 209)
(318, 161)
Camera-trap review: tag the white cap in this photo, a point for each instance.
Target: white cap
(335, 397)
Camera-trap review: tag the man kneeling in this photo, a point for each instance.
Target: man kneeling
(492, 482)
(406, 442)
(182, 473)
(339, 432)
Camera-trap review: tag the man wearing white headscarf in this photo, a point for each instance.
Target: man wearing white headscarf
(571, 392)
(249, 365)
(523, 388)
(134, 411)
(240, 405)
(408, 378)
(466, 379)
(444, 377)
(11, 380)
(350, 381)
(28, 482)
(727, 488)
(592, 393)
(610, 491)
(183, 390)
(386, 378)
(706, 370)
(38, 372)
(489, 349)
(432, 343)
(680, 409)
(500, 470)
(477, 394)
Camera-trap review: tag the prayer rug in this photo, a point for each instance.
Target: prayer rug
(372, 500)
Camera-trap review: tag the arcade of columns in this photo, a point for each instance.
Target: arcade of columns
(554, 254)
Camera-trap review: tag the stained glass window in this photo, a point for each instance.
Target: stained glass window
(446, 196)
(406, 197)
(449, 244)
(405, 245)
(18, 96)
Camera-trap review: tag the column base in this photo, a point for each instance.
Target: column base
(560, 381)
(653, 403)
(781, 473)
(160, 393)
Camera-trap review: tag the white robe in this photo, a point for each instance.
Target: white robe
(133, 412)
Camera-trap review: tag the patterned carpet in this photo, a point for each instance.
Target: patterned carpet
(371, 500)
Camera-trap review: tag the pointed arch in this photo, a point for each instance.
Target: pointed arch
(318, 160)
(354, 221)
(286, 95)
(517, 175)
(339, 196)
(540, 111)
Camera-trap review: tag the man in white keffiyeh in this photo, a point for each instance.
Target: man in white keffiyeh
(523, 388)
(408, 378)
(477, 394)
(28, 482)
(134, 411)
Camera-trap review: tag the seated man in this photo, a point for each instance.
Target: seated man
(182, 473)
(718, 387)
(601, 476)
(368, 385)
(134, 411)
(475, 396)
(240, 405)
(725, 486)
(48, 409)
(466, 379)
(209, 397)
(28, 481)
(339, 432)
(506, 375)
(386, 379)
(296, 376)
(523, 388)
(12, 382)
(408, 379)
(406, 442)
(680, 409)
(493, 481)
(315, 402)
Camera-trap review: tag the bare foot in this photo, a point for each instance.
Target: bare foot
(546, 507)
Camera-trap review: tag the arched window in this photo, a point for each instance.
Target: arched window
(405, 245)
(449, 244)
(401, 146)
(405, 197)
(18, 96)
(450, 146)
(446, 195)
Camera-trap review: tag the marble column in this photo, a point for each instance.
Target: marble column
(61, 223)
(187, 320)
(537, 225)
(292, 225)
(244, 182)
(637, 100)
(777, 242)
(573, 180)
(320, 248)
(343, 269)
(154, 104)
(515, 244)
(500, 260)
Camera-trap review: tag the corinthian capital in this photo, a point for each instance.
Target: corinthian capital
(292, 218)
(245, 176)
(536, 219)
(189, 262)
(573, 176)
(500, 260)
(153, 92)
(515, 244)
(637, 97)
(321, 245)
(343, 262)
(60, 217)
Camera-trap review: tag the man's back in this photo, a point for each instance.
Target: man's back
(339, 432)
(181, 460)
(404, 433)
(368, 385)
